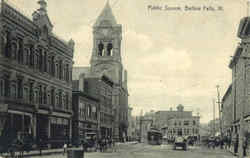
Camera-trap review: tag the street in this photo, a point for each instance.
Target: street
(149, 151)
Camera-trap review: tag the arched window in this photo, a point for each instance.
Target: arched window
(60, 99)
(40, 95)
(13, 91)
(14, 48)
(52, 66)
(56, 71)
(60, 69)
(40, 61)
(52, 97)
(100, 49)
(1, 87)
(45, 62)
(67, 72)
(20, 51)
(110, 49)
(26, 94)
(44, 95)
(31, 56)
(31, 97)
(8, 45)
(67, 101)
(19, 88)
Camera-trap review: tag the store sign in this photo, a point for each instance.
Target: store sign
(3, 107)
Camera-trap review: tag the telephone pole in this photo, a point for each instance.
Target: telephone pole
(219, 107)
(213, 117)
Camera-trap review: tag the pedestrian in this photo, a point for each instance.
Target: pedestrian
(65, 146)
(40, 146)
(244, 146)
(236, 143)
(114, 145)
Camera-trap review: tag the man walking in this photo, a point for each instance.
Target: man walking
(65, 146)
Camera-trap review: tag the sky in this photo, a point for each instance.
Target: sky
(172, 57)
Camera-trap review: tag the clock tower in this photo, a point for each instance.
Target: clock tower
(106, 53)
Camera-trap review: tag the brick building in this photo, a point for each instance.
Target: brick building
(97, 86)
(162, 117)
(35, 76)
(86, 109)
(179, 122)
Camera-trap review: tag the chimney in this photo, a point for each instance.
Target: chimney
(81, 82)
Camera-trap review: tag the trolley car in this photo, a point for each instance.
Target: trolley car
(154, 137)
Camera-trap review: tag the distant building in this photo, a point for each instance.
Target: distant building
(162, 117)
(214, 127)
(177, 122)
(227, 111)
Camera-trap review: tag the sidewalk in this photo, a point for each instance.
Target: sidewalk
(60, 151)
(44, 152)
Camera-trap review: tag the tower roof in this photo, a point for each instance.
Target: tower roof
(106, 18)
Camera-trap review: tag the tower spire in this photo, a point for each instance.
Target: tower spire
(106, 15)
(43, 6)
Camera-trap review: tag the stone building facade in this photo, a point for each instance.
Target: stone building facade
(241, 74)
(35, 75)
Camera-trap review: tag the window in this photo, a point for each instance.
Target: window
(40, 95)
(20, 51)
(8, 44)
(110, 49)
(67, 101)
(60, 99)
(67, 72)
(20, 89)
(56, 71)
(194, 123)
(26, 94)
(44, 95)
(31, 93)
(31, 56)
(45, 61)
(100, 49)
(186, 123)
(52, 97)
(60, 69)
(52, 66)
(13, 91)
(1, 87)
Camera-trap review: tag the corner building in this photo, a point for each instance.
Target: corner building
(35, 76)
